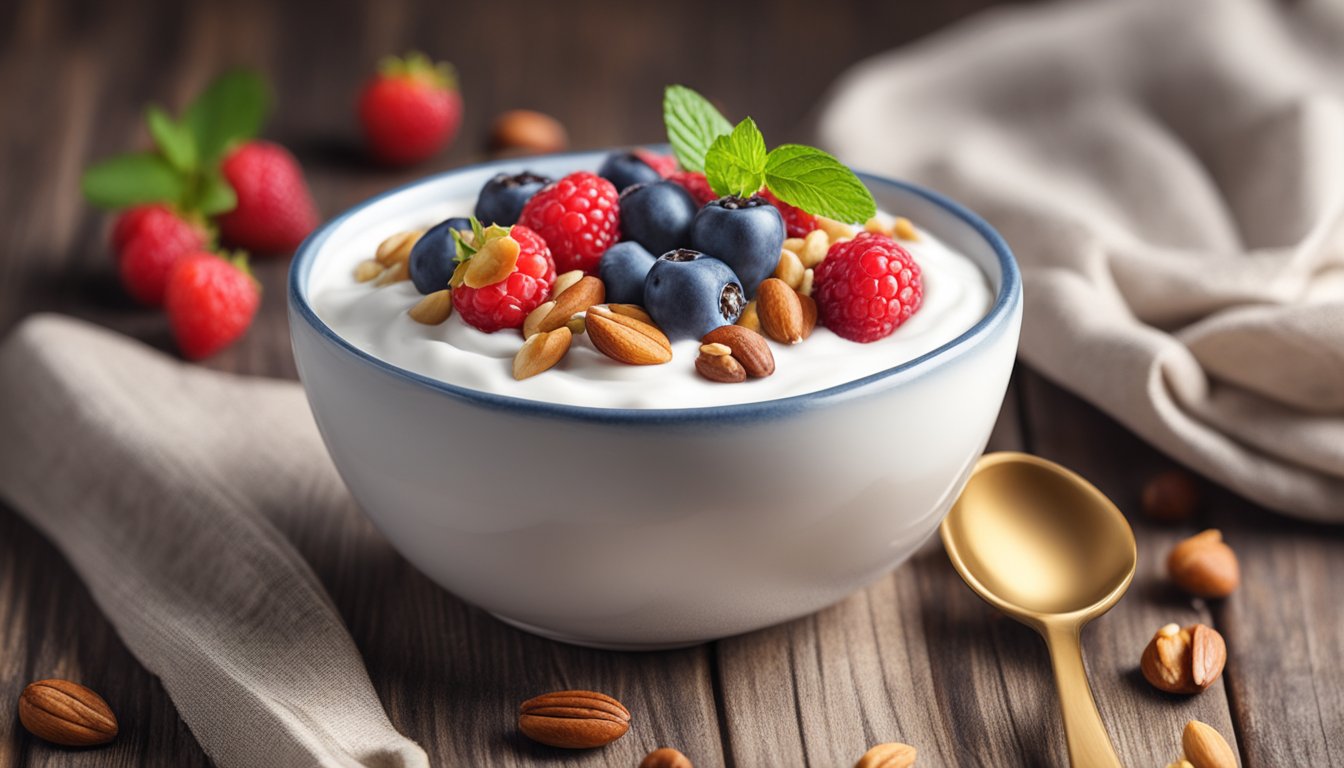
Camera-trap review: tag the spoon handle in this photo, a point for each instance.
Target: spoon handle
(1089, 744)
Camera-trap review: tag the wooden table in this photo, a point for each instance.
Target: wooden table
(915, 657)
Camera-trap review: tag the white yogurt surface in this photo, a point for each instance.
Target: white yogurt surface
(956, 296)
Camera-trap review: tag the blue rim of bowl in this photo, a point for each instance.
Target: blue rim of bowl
(1008, 298)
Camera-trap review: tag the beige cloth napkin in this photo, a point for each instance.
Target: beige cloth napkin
(167, 487)
(1170, 175)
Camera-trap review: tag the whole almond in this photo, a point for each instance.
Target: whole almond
(631, 310)
(576, 298)
(1170, 497)
(532, 323)
(1204, 565)
(523, 131)
(1205, 747)
(809, 306)
(665, 757)
(1186, 660)
(66, 713)
(780, 310)
(434, 308)
(749, 347)
(495, 261)
(627, 339)
(891, 755)
(541, 352)
(573, 719)
(721, 368)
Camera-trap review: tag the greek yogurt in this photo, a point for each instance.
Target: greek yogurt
(374, 319)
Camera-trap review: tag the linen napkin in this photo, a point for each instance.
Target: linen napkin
(165, 485)
(1170, 176)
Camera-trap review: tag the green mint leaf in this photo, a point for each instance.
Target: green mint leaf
(231, 110)
(692, 125)
(810, 179)
(216, 196)
(735, 163)
(172, 138)
(127, 180)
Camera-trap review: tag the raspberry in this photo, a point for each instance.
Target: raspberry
(211, 302)
(578, 216)
(695, 183)
(506, 304)
(867, 287)
(665, 165)
(797, 222)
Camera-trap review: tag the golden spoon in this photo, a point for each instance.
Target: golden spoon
(1044, 546)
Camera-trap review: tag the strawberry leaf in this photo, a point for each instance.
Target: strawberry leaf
(735, 163)
(692, 125)
(216, 196)
(172, 138)
(127, 180)
(810, 179)
(230, 111)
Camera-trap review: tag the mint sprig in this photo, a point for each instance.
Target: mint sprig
(183, 170)
(735, 161)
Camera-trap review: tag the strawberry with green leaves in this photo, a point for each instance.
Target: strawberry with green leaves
(211, 302)
(410, 109)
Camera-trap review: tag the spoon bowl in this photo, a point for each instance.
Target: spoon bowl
(1044, 546)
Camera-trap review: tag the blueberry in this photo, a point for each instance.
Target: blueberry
(689, 294)
(657, 216)
(434, 256)
(502, 198)
(747, 233)
(623, 269)
(625, 169)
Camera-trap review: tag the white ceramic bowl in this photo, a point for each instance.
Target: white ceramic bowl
(640, 529)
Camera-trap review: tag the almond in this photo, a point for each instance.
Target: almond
(573, 719)
(367, 270)
(577, 298)
(1205, 747)
(1185, 660)
(394, 274)
(627, 339)
(1204, 566)
(750, 319)
(665, 757)
(434, 308)
(522, 131)
(495, 261)
(721, 368)
(397, 248)
(631, 310)
(66, 713)
(748, 347)
(564, 281)
(892, 755)
(532, 323)
(809, 306)
(541, 352)
(780, 311)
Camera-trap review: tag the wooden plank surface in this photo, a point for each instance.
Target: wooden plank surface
(915, 657)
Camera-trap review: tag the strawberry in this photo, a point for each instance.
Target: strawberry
(410, 109)
(148, 241)
(211, 302)
(275, 211)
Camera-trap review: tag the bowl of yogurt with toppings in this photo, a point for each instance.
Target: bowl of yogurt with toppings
(626, 449)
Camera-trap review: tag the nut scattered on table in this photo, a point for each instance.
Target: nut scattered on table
(1170, 497)
(573, 719)
(1205, 747)
(1184, 660)
(1204, 565)
(1181, 764)
(66, 713)
(665, 757)
(890, 755)
(525, 132)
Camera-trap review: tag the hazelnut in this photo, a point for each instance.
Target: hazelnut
(524, 132)
(1204, 566)
(665, 757)
(1170, 497)
(1184, 660)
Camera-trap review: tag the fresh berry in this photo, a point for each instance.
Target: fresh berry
(623, 270)
(502, 198)
(434, 256)
(211, 302)
(746, 233)
(797, 222)
(657, 216)
(689, 294)
(665, 165)
(153, 240)
(626, 169)
(578, 216)
(506, 303)
(695, 183)
(275, 211)
(410, 109)
(866, 287)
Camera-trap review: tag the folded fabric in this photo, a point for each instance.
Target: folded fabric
(1170, 176)
(134, 464)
